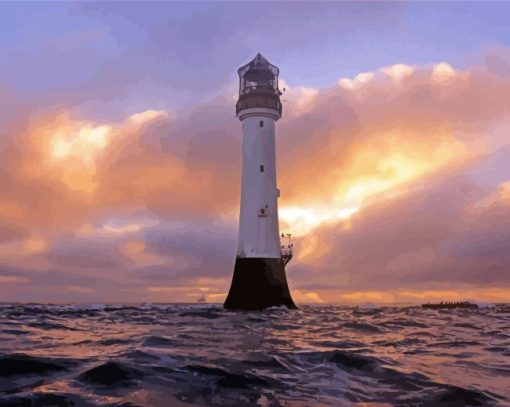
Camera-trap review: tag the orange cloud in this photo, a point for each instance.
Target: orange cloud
(399, 296)
(373, 175)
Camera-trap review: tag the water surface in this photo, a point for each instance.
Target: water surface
(181, 355)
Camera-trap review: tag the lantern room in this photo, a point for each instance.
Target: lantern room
(258, 85)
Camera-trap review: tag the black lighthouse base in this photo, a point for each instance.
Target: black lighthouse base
(258, 283)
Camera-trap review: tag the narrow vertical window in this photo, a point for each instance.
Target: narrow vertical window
(261, 168)
(261, 123)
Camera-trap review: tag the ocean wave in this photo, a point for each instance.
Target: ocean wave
(18, 364)
(159, 355)
(111, 374)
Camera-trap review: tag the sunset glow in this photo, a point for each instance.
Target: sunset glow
(304, 220)
(83, 145)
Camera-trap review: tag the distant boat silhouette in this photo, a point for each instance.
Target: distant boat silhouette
(448, 305)
(201, 299)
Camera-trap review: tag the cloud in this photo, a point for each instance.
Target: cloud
(9, 233)
(382, 181)
(12, 279)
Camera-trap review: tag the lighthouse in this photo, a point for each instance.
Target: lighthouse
(259, 279)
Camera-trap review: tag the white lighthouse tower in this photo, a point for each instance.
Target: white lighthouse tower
(259, 279)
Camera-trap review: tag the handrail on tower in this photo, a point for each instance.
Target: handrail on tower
(286, 250)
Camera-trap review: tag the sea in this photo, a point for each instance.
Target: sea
(203, 355)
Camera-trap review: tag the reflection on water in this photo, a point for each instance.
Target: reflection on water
(181, 355)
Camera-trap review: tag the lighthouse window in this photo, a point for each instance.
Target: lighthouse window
(261, 123)
(261, 168)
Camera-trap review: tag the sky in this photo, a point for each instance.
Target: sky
(120, 153)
